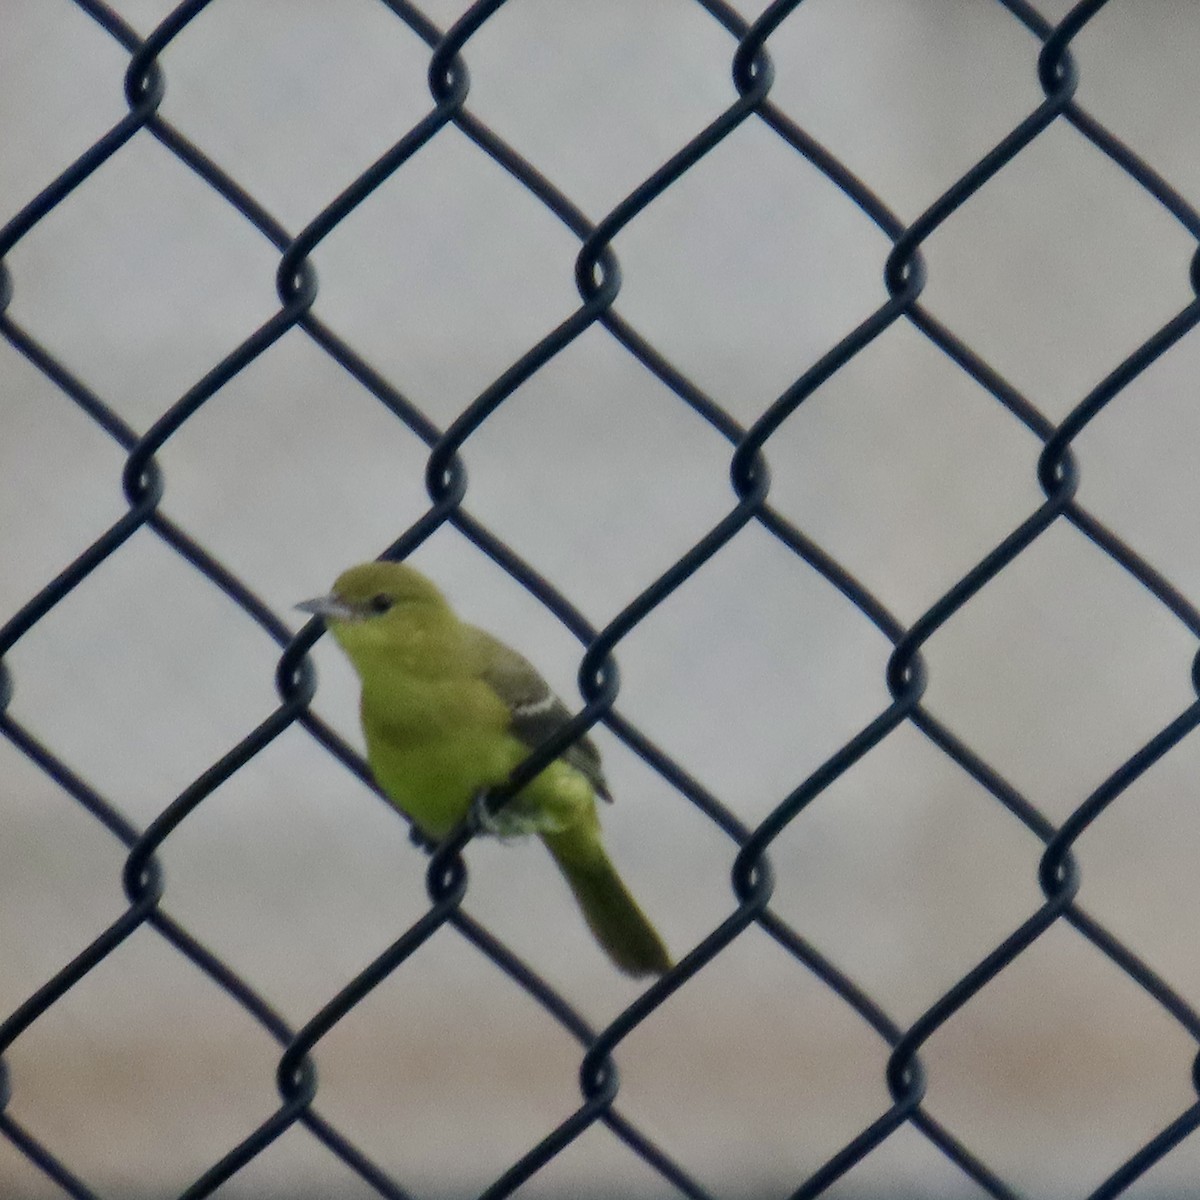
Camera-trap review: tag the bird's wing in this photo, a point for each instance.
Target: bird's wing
(535, 711)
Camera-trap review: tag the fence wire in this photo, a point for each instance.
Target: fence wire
(597, 276)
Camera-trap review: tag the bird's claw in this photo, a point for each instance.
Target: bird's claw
(421, 839)
(505, 824)
(483, 819)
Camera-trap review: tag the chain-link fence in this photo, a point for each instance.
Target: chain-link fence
(655, 588)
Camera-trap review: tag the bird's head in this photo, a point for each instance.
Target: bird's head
(381, 606)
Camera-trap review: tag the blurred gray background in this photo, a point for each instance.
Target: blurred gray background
(905, 872)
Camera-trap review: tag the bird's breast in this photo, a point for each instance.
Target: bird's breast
(411, 708)
(433, 746)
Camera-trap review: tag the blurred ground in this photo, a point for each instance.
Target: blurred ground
(905, 872)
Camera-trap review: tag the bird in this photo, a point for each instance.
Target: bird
(448, 711)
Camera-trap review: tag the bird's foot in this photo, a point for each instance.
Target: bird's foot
(505, 823)
(421, 839)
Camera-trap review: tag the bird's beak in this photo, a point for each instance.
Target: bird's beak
(327, 607)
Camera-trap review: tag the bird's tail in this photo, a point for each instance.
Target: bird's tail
(611, 912)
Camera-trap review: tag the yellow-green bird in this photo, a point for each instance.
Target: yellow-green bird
(448, 711)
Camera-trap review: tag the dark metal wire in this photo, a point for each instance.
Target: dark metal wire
(597, 277)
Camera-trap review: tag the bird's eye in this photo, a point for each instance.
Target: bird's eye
(380, 603)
